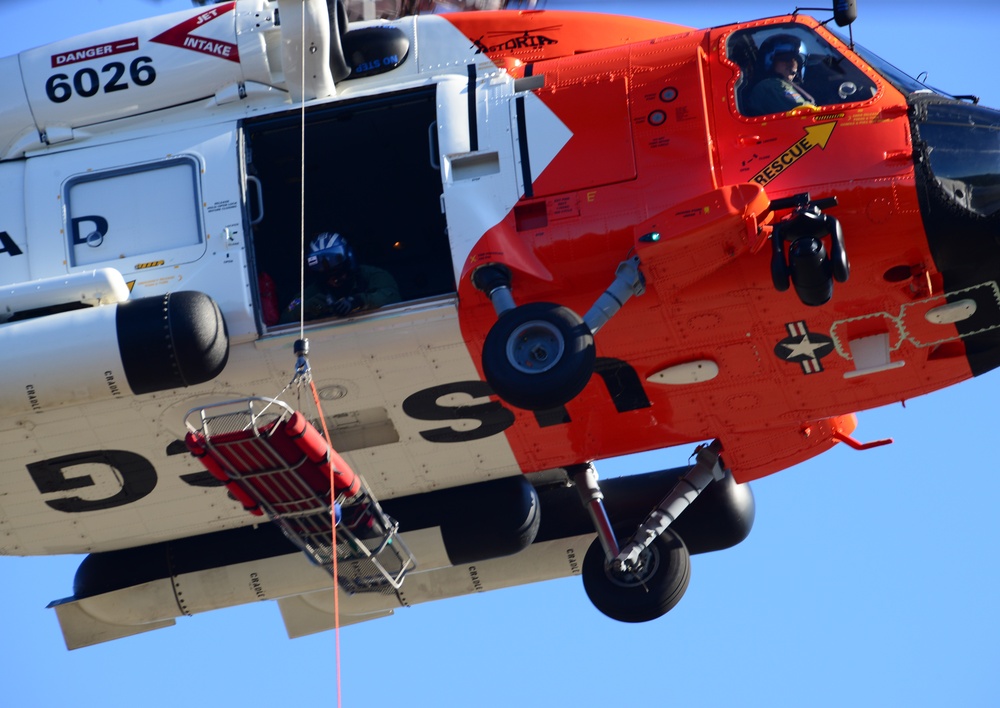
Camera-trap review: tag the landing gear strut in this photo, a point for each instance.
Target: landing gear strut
(645, 578)
(541, 355)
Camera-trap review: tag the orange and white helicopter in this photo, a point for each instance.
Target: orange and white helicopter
(599, 239)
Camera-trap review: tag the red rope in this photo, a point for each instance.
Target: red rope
(333, 545)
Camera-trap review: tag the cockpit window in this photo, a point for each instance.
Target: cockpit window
(783, 67)
(898, 78)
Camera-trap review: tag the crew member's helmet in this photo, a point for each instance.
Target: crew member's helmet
(783, 46)
(331, 254)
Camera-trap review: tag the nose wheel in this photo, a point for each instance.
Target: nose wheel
(539, 355)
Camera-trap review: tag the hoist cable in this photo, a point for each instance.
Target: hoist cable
(302, 178)
(302, 367)
(333, 539)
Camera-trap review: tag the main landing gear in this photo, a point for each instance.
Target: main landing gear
(807, 265)
(541, 355)
(645, 578)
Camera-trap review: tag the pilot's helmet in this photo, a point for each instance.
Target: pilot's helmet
(783, 46)
(330, 253)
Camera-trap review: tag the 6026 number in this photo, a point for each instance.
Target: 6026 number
(87, 82)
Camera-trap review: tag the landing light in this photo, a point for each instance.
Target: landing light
(651, 237)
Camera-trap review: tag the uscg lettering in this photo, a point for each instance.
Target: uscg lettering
(132, 473)
(492, 416)
(8, 246)
(620, 380)
(94, 237)
(136, 477)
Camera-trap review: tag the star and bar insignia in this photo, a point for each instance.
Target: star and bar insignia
(804, 347)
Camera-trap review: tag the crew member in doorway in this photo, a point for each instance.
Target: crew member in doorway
(342, 286)
(784, 65)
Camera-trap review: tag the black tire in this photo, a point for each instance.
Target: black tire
(337, 12)
(645, 596)
(562, 367)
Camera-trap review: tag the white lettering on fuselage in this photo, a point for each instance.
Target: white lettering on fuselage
(82, 54)
(98, 50)
(207, 46)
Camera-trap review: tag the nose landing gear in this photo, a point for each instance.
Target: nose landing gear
(541, 355)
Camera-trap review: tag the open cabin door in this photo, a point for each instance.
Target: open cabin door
(371, 174)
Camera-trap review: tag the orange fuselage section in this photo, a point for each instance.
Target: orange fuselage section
(661, 144)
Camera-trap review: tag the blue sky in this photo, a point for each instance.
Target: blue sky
(870, 578)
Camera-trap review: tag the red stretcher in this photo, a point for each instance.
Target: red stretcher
(274, 462)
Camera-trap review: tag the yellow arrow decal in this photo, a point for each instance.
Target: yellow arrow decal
(816, 136)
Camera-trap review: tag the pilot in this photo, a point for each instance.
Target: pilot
(784, 65)
(343, 286)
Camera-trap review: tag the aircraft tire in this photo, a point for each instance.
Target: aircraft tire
(338, 24)
(642, 597)
(539, 356)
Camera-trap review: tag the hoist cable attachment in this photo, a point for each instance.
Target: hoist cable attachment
(303, 374)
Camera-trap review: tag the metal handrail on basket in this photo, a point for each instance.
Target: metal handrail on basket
(273, 474)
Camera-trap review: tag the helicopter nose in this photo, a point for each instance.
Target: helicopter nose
(960, 146)
(957, 157)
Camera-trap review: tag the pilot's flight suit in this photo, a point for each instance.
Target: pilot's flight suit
(777, 95)
(372, 288)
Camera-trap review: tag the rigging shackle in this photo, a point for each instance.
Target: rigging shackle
(301, 350)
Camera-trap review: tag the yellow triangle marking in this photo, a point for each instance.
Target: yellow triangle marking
(816, 136)
(819, 134)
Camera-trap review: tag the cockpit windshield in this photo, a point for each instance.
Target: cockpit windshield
(789, 66)
(898, 78)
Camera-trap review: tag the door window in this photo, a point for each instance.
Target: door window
(131, 211)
